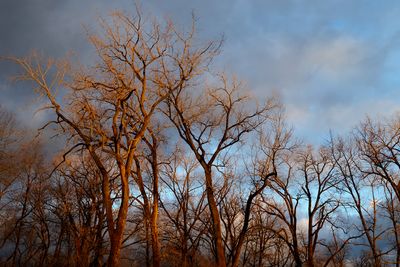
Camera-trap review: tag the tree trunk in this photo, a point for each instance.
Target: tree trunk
(98, 253)
(147, 232)
(296, 253)
(155, 246)
(310, 247)
(115, 252)
(217, 232)
(154, 216)
(297, 261)
(82, 250)
(117, 233)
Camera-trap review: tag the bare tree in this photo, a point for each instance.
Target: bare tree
(78, 205)
(359, 185)
(27, 212)
(391, 208)
(110, 106)
(8, 149)
(306, 179)
(319, 181)
(211, 123)
(282, 198)
(379, 146)
(183, 207)
(262, 247)
(149, 165)
(275, 141)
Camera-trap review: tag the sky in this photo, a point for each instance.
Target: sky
(332, 63)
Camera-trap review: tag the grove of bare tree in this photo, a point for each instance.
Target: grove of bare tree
(164, 161)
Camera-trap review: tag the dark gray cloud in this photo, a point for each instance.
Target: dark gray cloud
(52, 28)
(332, 62)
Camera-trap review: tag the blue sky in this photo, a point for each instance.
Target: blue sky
(331, 62)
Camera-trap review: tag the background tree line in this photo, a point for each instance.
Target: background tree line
(168, 163)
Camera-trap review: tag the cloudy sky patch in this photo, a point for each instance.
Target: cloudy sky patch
(332, 62)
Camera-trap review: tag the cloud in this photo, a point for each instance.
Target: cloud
(331, 61)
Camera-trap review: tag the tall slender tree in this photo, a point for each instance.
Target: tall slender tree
(110, 106)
